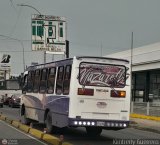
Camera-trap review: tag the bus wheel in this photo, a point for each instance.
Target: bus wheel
(48, 123)
(93, 131)
(24, 119)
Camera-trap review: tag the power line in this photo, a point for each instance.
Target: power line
(15, 25)
(12, 5)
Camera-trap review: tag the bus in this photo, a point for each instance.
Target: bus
(83, 91)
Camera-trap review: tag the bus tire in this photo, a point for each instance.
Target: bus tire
(24, 119)
(93, 131)
(48, 122)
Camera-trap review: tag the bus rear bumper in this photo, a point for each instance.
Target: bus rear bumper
(74, 122)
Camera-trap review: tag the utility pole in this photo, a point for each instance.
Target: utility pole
(131, 50)
(131, 64)
(25, 5)
(101, 49)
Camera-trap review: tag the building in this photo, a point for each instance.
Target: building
(4, 74)
(145, 72)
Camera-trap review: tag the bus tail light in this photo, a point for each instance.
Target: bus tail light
(118, 94)
(85, 91)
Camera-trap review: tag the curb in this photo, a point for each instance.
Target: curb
(23, 127)
(51, 139)
(3, 118)
(145, 117)
(8, 120)
(36, 133)
(15, 124)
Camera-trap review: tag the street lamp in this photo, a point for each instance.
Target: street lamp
(25, 5)
(20, 41)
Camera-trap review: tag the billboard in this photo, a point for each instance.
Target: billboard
(49, 33)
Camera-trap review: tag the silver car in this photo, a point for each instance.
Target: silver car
(15, 100)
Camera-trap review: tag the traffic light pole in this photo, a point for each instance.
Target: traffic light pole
(67, 49)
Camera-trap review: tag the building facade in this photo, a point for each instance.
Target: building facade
(145, 72)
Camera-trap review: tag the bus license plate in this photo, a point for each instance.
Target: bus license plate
(100, 123)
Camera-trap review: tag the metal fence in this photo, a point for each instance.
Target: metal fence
(146, 108)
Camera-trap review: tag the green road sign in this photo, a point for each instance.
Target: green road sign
(48, 33)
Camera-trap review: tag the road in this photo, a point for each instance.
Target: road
(14, 136)
(78, 136)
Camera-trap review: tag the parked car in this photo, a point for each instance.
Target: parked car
(6, 99)
(14, 100)
(1, 101)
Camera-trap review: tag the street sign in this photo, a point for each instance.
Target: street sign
(5, 58)
(5, 62)
(48, 33)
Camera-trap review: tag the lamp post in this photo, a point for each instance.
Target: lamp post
(20, 41)
(25, 5)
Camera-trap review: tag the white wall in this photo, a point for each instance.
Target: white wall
(144, 58)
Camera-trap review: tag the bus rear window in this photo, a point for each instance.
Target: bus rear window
(104, 75)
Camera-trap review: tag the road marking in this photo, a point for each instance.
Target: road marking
(23, 132)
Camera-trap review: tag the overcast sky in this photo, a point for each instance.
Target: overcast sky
(92, 26)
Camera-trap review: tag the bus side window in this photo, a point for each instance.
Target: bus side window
(43, 81)
(59, 82)
(30, 81)
(66, 82)
(36, 81)
(51, 80)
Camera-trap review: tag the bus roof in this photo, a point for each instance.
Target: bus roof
(106, 58)
(48, 64)
(77, 57)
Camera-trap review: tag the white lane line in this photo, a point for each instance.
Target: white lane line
(23, 133)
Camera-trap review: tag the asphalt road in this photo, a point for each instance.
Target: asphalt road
(78, 136)
(14, 136)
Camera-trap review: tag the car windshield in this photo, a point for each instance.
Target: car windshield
(16, 95)
(105, 75)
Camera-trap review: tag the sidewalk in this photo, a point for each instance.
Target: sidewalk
(148, 123)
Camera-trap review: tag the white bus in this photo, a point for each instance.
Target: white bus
(90, 92)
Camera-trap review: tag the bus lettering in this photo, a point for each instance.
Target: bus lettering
(92, 77)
